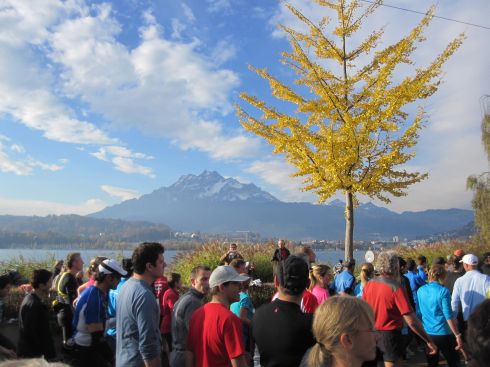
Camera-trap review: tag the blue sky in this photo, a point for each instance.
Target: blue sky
(105, 101)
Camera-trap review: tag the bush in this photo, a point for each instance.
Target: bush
(25, 266)
(261, 295)
(209, 254)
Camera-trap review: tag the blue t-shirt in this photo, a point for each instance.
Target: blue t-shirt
(358, 290)
(91, 309)
(112, 305)
(435, 306)
(245, 302)
(344, 282)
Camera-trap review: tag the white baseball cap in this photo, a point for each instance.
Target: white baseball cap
(111, 266)
(470, 259)
(223, 274)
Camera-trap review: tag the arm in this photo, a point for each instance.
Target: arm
(9, 353)
(189, 359)
(45, 335)
(275, 257)
(448, 314)
(244, 317)
(453, 325)
(147, 319)
(455, 299)
(414, 324)
(223, 258)
(239, 361)
(155, 362)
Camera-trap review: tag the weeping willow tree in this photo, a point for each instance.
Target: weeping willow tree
(349, 132)
(480, 184)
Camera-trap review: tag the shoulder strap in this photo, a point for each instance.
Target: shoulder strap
(58, 285)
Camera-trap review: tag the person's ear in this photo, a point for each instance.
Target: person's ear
(346, 341)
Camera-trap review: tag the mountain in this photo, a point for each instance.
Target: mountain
(212, 186)
(75, 229)
(210, 203)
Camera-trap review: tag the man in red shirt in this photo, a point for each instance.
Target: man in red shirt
(389, 302)
(215, 334)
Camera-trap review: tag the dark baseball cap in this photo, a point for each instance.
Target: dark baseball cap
(293, 274)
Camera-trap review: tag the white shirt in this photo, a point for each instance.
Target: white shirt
(469, 290)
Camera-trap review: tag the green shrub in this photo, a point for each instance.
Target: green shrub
(209, 254)
(25, 265)
(261, 295)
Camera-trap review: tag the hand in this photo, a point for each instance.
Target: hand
(459, 342)
(431, 348)
(9, 353)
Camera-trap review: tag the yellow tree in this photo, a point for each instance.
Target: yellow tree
(480, 184)
(349, 132)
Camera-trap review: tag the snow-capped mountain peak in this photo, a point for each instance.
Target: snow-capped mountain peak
(211, 185)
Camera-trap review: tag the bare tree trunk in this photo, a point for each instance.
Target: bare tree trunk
(349, 227)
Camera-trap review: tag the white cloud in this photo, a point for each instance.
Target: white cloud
(277, 173)
(215, 6)
(8, 165)
(25, 91)
(160, 87)
(45, 166)
(177, 28)
(43, 208)
(223, 52)
(17, 148)
(23, 166)
(121, 193)
(191, 18)
(123, 159)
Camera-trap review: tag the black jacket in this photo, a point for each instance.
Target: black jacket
(35, 339)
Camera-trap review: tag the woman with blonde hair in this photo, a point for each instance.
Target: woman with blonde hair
(437, 318)
(319, 279)
(367, 273)
(344, 330)
(92, 269)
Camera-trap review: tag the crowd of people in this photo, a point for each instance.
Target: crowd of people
(130, 314)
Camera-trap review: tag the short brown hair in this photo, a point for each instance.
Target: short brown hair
(146, 252)
(70, 258)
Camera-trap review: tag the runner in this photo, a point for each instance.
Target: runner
(35, 339)
(138, 339)
(281, 330)
(344, 332)
(91, 348)
(435, 306)
(215, 334)
(183, 310)
(391, 308)
(66, 287)
(319, 280)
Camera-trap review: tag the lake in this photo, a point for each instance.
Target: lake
(329, 257)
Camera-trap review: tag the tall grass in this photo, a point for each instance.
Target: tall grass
(25, 265)
(209, 254)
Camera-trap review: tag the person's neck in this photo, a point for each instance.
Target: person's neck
(220, 298)
(345, 360)
(103, 286)
(145, 277)
(40, 292)
(290, 298)
(73, 271)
